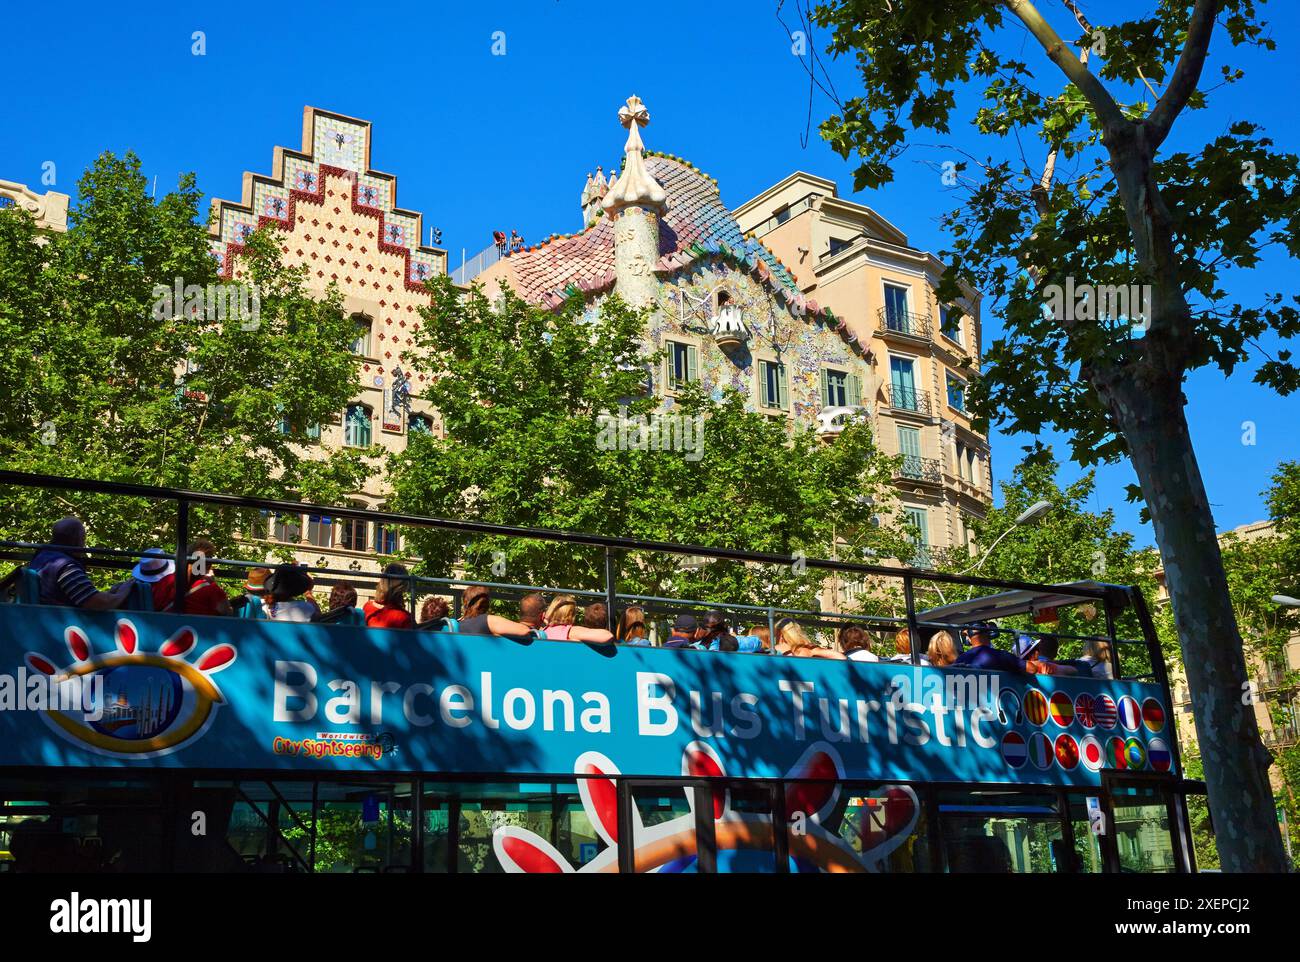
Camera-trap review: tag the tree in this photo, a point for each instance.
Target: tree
(1104, 369)
(526, 396)
(115, 378)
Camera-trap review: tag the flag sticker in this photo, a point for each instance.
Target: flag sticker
(1136, 752)
(1159, 754)
(1085, 710)
(1013, 749)
(1009, 712)
(1062, 709)
(1040, 751)
(1067, 752)
(1104, 711)
(1153, 715)
(1115, 755)
(1091, 753)
(1130, 716)
(1036, 706)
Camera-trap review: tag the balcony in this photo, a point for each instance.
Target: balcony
(920, 469)
(902, 398)
(905, 323)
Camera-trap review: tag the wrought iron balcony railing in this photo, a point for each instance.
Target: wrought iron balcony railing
(903, 322)
(920, 469)
(902, 398)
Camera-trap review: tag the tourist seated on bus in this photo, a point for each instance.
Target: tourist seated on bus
(1039, 655)
(595, 615)
(718, 636)
(762, 636)
(434, 616)
(903, 648)
(342, 608)
(792, 642)
(1096, 655)
(685, 631)
(285, 591)
(249, 604)
(632, 628)
(560, 618)
(532, 610)
(854, 644)
(387, 609)
(154, 565)
(942, 650)
(203, 596)
(980, 652)
(476, 619)
(62, 571)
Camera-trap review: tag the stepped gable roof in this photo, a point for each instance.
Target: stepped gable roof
(696, 225)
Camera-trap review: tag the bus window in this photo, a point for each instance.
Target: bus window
(993, 831)
(879, 829)
(743, 839)
(539, 826)
(1087, 845)
(1142, 839)
(664, 828)
(360, 827)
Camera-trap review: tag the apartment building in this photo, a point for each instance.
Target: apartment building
(921, 353)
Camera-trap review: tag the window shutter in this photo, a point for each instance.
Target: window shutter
(763, 399)
(854, 389)
(691, 363)
(781, 399)
(826, 388)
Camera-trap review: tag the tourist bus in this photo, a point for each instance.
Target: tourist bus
(172, 742)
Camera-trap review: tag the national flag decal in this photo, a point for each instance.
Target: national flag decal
(1153, 715)
(1036, 706)
(1013, 749)
(1062, 709)
(1115, 754)
(1159, 754)
(1104, 711)
(1136, 752)
(1091, 753)
(1067, 752)
(1130, 716)
(1085, 710)
(1040, 751)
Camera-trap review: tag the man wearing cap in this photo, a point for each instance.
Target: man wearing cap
(62, 570)
(685, 630)
(982, 654)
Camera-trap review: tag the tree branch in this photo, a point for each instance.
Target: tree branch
(1187, 74)
(1077, 73)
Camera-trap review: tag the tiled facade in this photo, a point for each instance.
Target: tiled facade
(860, 268)
(338, 217)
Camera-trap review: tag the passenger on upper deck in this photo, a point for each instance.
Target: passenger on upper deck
(249, 603)
(1040, 656)
(62, 571)
(685, 630)
(433, 614)
(1096, 655)
(284, 595)
(560, 617)
(903, 647)
(532, 610)
(854, 645)
(791, 640)
(982, 654)
(632, 628)
(204, 596)
(942, 650)
(476, 619)
(388, 607)
(718, 637)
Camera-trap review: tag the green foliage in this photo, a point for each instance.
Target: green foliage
(111, 381)
(521, 390)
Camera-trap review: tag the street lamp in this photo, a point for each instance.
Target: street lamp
(1031, 513)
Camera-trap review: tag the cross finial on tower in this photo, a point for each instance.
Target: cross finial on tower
(635, 186)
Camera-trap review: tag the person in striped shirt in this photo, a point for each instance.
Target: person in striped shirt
(62, 570)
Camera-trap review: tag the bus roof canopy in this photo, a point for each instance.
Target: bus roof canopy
(1009, 603)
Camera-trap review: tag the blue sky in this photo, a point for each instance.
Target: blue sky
(481, 141)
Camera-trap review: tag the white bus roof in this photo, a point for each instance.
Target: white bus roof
(1007, 603)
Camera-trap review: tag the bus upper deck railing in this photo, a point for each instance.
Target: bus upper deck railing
(1113, 598)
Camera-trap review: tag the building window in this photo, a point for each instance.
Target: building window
(320, 530)
(896, 316)
(949, 324)
(909, 446)
(956, 394)
(361, 339)
(917, 518)
(782, 215)
(352, 532)
(357, 426)
(287, 528)
(838, 244)
(771, 385)
(419, 424)
(385, 538)
(902, 380)
(683, 365)
(313, 431)
(839, 389)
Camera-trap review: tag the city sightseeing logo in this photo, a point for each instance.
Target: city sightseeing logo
(130, 703)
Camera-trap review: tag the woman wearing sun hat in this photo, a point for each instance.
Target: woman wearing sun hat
(154, 565)
(284, 590)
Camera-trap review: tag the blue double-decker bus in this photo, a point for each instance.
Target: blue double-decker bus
(174, 742)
